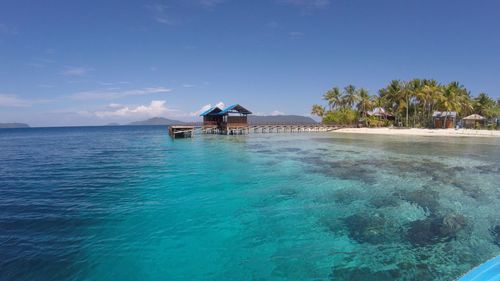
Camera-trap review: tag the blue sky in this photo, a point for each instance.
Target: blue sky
(95, 62)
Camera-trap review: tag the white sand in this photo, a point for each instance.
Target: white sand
(422, 132)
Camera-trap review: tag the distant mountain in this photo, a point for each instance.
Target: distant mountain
(280, 119)
(13, 125)
(113, 124)
(157, 121)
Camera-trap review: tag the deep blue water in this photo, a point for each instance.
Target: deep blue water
(128, 203)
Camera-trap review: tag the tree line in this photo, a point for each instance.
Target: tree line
(412, 103)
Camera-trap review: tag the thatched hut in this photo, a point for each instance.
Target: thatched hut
(473, 121)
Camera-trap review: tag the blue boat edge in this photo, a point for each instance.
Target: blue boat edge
(487, 271)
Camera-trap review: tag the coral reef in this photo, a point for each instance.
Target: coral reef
(434, 229)
(367, 228)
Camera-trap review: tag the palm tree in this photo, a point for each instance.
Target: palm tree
(450, 100)
(395, 96)
(318, 110)
(364, 101)
(333, 97)
(428, 96)
(350, 96)
(484, 105)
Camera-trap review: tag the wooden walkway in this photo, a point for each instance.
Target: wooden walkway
(262, 129)
(181, 131)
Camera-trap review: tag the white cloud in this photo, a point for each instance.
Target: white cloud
(295, 35)
(310, 4)
(45, 86)
(113, 83)
(206, 107)
(111, 94)
(160, 15)
(8, 29)
(273, 113)
(188, 86)
(14, 101)
(276, 113)
(155, 108)
(210, 4)
(76, 71)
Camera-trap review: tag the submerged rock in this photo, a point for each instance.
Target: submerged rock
(435, 229)
(382, 202)
(366, 228)
(363, 274)
(495, 232)
(425, 198)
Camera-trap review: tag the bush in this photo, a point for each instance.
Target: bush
(341, 117)
(492, 126)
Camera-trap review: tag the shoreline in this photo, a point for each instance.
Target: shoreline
(422, 132)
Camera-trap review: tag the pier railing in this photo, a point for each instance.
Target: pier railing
(271, 128)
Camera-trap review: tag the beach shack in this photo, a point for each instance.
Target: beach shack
(444, 119)
(230, 120)
(380, 113)
(473, 121)
(211, 117)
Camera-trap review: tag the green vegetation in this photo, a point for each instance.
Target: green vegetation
(411, 103)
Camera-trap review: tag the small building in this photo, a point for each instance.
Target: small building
(230, 120)
(473, 121)
(444, 119)
(381, 113)
(211, 117)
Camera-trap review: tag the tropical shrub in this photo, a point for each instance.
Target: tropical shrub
(341, 117)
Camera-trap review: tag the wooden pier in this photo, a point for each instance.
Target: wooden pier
(181, 131)
(243, 130)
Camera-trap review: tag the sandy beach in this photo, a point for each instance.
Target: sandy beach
(423, 132)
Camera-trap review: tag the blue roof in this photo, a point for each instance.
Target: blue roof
(209, 111)
(227, 109)
(238, 107)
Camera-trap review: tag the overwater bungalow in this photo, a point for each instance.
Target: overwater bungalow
(230, 120)
(440, 117)
(473, 121)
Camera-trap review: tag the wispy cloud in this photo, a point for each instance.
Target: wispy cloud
(295, 35)
(14, 101)
(8, 29)
(210, 4)
(160, 15)
(114, 94)
(76, 71)
(113, 83)
(7, 100)
(273, 113)
(45, 86)
(207, 107)
(155, 108)
(276, 113)
(186, 85)
(308, 4)
(40, 62)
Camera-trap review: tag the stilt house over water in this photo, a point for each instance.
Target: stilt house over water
(230, 120)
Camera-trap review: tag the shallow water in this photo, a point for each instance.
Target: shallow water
(128, 203)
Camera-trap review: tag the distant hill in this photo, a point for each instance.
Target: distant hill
(13, 125)
(157, 121)
(280, 119)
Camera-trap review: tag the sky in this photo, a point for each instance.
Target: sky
(70, 63)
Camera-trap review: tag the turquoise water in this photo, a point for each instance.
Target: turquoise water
(128, 203)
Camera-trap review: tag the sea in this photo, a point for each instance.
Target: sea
(129, 203)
